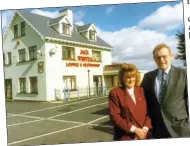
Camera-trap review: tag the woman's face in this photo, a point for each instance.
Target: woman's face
(129, 81)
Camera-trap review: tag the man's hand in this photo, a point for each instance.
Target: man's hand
(140, 133)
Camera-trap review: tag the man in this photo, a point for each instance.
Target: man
(166, 93)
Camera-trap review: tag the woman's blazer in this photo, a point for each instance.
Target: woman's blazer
(124, 112)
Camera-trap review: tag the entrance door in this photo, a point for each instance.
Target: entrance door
(8, 89)
(97, 79)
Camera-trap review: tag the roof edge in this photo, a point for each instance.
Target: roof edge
(79, 43)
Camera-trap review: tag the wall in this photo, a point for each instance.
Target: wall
(26, 69)
(56, 68)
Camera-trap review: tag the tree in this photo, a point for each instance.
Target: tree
(181, 47)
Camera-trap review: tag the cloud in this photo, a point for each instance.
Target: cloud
(135, 45)
(79, 23)
(109, 9)
(46, 13)
(6, 16)
(165, 18)
(78, 16)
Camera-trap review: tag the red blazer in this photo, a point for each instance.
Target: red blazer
(124, 112)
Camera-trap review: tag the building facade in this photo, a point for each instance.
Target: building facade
(43, 57)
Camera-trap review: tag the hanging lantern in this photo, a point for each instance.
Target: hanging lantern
(18, 42)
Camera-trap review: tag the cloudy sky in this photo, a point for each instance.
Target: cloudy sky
(132, 29)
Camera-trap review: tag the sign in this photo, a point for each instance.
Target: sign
(40, 67)
(73, 64)
(112, 67)
(82, 58)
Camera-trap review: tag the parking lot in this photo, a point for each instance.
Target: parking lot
(30, 123)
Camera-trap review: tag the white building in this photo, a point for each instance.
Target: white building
(43, 56)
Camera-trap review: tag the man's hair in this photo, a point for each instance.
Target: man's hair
(161, 46)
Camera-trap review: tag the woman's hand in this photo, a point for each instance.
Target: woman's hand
(140, 133)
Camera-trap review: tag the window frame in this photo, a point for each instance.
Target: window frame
(95, 51)
(35, 79)
(9, 58)
(23, 28)
(68, 56)
(32, 50)
(23, 53)
(15, 31)
(92, 33)
(24, 86)
(65, 78)
(66, 28)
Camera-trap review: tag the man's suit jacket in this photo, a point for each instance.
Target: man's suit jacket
(172, 116)
(124, 113)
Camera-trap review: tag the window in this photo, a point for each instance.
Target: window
(96, 56)
(32, 52)
(70, 82)
(22, 28)
(9, 58)
(66, 28)
(21, 55)
(68, 53)
(15, 31)
(92, 34)
(4, 58)
(22, 82)
(33, 85)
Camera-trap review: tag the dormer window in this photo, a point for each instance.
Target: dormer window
(66, 29)
(92, 35)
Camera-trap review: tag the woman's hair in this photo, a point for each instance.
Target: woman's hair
(131, 71)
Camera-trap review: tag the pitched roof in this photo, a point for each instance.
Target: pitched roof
(83, 27)
(40, 23)
(55, 20)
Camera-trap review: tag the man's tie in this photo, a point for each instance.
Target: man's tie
(163, 87)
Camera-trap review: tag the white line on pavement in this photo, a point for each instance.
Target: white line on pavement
(97, 119)
(58, 106)
(40, 118)
(17, 124)
(78, 110)
(50, 133)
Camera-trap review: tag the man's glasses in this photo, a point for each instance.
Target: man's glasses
(159, 57)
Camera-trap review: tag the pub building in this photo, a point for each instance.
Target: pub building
(44, 57)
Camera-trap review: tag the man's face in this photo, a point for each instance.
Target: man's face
(163, 58)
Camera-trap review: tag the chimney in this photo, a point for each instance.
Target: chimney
(67, 12)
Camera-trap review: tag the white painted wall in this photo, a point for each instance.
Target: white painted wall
(56, 68)
(26, 69)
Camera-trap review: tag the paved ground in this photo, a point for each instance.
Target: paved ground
(57, 123)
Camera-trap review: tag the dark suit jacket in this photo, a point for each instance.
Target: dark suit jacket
(172, 116)
(124, 113)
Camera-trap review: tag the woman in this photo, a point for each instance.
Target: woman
(127, 106)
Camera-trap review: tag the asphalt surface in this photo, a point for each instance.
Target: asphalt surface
(81, 121)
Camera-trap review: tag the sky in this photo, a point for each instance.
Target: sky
(132, 29)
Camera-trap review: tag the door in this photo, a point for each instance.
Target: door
(8, 89)
(98, 84)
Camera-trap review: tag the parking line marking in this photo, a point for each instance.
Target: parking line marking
(78, 110)
(31, 138)
(41, 118)
(97, 119)
(59, 106)
(17, 124)
(57, 120)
